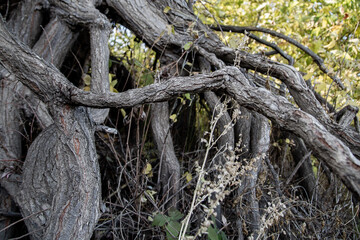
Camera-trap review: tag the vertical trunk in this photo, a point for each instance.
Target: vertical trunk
(255, 132)
(170, 167)
(61, 181)
(24, 24)
(99, 37)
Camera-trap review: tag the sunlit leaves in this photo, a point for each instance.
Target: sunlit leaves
(167, 9)
(173, 117)
(328, 27)
(187, 46)
(187, 176)
(330, 45)
(134, 54)
(147, 170)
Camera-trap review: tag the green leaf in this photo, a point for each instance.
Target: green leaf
(123, 113)
(212, 233)
(331, 44)
(170, 237)
(170, 29)
(113, 83)
(147, 169)
(175, 214)
(187, 95)
(160, 220)
(137, 63)
(173, 228)
(316, 45)
(223, 236)
(188, 176)
(148, 78)
(187, 46)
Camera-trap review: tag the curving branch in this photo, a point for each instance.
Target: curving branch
(59, 190)
(273, 46)
(317, 59)
(324, 145)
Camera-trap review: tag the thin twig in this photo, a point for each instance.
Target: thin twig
(31, 215)
(317, 59)
(297, 167)
(273, 46)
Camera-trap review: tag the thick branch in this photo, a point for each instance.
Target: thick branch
(46, 81)
(81, 13)
(152, 27)
(303, 96)
(43, 78)
(100, 54)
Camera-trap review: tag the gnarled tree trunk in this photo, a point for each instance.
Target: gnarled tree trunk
(59, 189)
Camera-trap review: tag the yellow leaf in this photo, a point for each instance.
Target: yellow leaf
(321, 87)
(331, 44)
(147, 169)
(112, 89)
(173, 118)
(187, 176)
(123, 113)
(113, 83)
(87, 88)
(87, 79)
(151, 193)
(167, 9)
(170, 29)
(187, 46)
(308, 75)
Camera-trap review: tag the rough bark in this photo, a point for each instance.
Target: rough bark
(21, 25)
(169, 164)
(278, 109)
(59, 190)
(61, 185)
(225, 136)
(305, 171)
(73, 184)
(155, 21)
(255, 140)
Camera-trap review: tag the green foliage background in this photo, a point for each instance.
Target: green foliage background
(330, 28)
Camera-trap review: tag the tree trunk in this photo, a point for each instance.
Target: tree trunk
(59, 189)
(61, 186)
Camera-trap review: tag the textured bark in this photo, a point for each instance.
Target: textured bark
(255, 141)
(305, 172)
(21, 23)
(170, 167)
(147, 20)
(61, 185)
(65, 204)
(278, 109)
(99, 62)
(59, 190)
(324, 145)
(226, 138)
